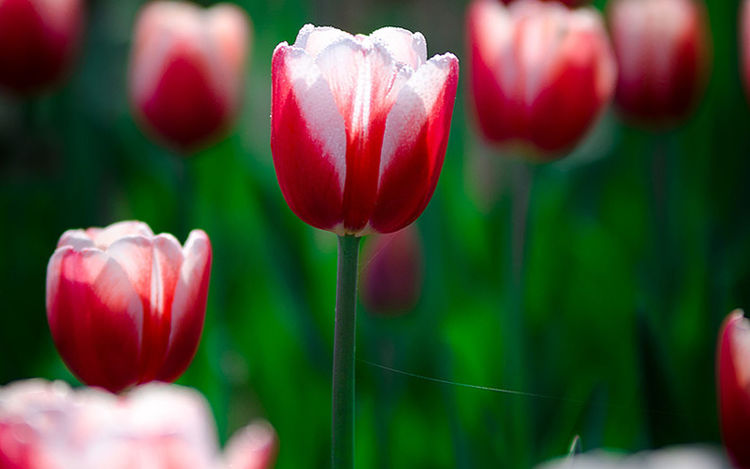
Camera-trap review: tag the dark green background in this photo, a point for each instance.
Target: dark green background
(636, 249)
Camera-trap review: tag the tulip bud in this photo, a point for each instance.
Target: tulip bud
(734, 387)
(540, 73)
(662, 55)
(392, 272)
(187, 70)
(126, 307)
(38, 40)
(359, 126)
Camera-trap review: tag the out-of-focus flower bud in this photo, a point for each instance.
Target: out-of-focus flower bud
(392, 272)
(252, 447)
(733, 377)
(187, 71)
(125, 306)
(38, 41)
(359, 126)
(540, 73)
(663, 56)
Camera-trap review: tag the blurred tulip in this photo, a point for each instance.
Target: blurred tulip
(126, 307)
(570, 3)
(157, 426)
(677, 457)
(745, 43)
(540, 73)
(38, 40)
(253, 447)
(187, 70)
(662, 55)
(734, 387)
(392, 272)
(359, 126)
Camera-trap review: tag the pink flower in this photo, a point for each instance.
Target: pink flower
(662, 55)
(156, 426)
(126, 307)
(570, 3)
(187, 71)
(733, 377)
(359, 126)
(392, 272)
(540, 73)
(38, 40)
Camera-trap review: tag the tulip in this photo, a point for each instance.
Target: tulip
(187, 71)
(392, 272)
(734, 387)
(662, 54)
(359, 126)
(745, 43)
(570, 3)
(47, 425)
(126, 307)
(674, 457)
(540, 73)
(38, 40)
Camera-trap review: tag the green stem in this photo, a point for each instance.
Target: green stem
(342, 447)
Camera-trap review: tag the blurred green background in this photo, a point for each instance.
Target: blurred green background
(636, 249)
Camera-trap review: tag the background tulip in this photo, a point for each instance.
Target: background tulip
(570, 3)
(125, 306)
(392, 272)
(734, 387)
(187, 71)
(47, 425)
(662, 56)
(745, 43)
(38, 39)
(540, 73)
(359, 126)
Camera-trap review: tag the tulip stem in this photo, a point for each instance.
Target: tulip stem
(342, 448)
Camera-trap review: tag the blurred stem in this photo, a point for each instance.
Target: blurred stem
(514, 327)
(342, 447)
(185, 196)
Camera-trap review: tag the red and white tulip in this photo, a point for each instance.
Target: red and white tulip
(359, 126)
(663, 56)
(187, 71)
(733, 377)
(38, 41)
(540, 73)
(125, 306)
(47, 425)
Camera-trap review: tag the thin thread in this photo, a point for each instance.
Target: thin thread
(512, 392)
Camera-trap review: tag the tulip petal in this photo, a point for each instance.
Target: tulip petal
(103, 237)
(229, 34)
(153, 267)
(77, 239)
(308, 139)
(188, 306)
(365, 80)
(416, 137)
(313, 39)
(405, 46)
(95, 316)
